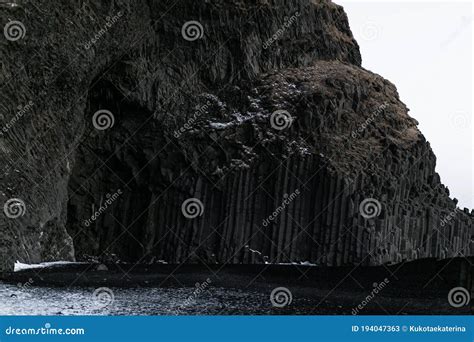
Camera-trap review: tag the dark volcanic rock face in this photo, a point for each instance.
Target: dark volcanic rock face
(283, 141)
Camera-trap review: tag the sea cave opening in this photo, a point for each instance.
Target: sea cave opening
(109, 187)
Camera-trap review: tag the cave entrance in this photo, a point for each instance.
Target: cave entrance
(109, 188)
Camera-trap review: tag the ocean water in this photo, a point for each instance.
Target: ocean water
(25, 299)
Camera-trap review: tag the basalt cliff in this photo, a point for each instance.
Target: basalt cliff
(214, 131)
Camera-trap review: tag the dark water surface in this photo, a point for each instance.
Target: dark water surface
(87, 289)
(29, 300)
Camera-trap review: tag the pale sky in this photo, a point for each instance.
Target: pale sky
(425, 49)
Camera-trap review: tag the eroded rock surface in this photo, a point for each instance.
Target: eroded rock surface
(193, 119)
